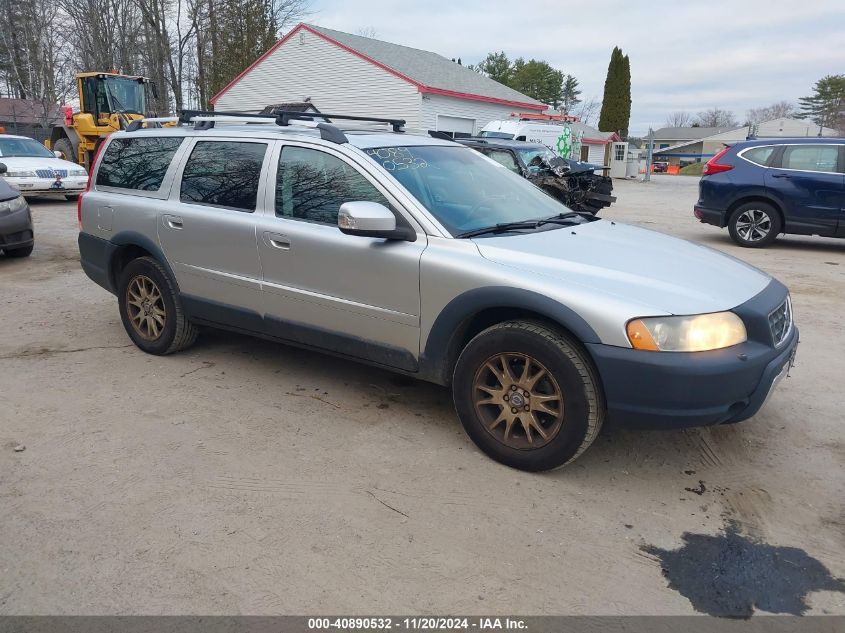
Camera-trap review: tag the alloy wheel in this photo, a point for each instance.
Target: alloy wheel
(145, 307)
(518, 401)
(753, 225)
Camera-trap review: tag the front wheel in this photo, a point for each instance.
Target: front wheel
(151, 310)
(527, 395)
(754, 225)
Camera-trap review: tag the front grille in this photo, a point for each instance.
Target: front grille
(780, 322)
(51, 173)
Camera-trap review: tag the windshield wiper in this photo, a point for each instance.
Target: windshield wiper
(502, 227)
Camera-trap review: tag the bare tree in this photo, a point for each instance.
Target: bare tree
(367, 31)
(716, 117)
(587, 110)
(779, 110)
(679, 118)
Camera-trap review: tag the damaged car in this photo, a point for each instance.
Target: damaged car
(574, 183)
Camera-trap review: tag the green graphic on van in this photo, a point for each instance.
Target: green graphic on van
(564, 143)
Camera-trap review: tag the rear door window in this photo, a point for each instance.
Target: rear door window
(137, 163)
(223, 174)
(759, 155)
(810, 157)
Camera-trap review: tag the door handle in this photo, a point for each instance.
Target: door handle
(781, 176)
(173, 221)
(277, 240)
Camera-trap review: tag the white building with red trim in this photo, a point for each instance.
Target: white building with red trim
(350, 74)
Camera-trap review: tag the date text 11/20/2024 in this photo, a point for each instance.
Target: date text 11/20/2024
(417, 624)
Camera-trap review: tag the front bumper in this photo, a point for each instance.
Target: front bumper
(677, 389)
(16, 229)
(29, 186)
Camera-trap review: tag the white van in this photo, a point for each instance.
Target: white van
(565, 139)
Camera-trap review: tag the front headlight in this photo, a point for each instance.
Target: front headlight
(696, 333)
(10, 206)
(20, 174)
(78, 172)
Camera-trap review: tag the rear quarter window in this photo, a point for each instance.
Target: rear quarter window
(137, 163)
(759, 155)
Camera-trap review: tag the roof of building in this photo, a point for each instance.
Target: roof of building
(429, 72)
(774, 129)
(689, 133)
(29, 112)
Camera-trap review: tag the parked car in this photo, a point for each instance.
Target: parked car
(759, 189)
(17, 237)
(574, 183)
(660, 167)
(33, 169)
(418, 255)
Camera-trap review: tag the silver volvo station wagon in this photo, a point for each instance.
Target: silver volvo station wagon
(422, 256)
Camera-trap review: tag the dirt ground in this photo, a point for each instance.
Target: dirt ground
(246, 477)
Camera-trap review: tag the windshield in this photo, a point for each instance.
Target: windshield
(23, 147)
(124, 95)
(504, 135)
(464, 190)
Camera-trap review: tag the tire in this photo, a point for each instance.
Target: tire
(151, 310)
(571, 421)
(754, 224)
(64, 146)
(23, 251)
(72, 197)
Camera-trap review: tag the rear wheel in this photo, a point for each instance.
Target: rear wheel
(151, 310)
(754, 224)
(527, 395)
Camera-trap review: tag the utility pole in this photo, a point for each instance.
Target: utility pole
(649, 156)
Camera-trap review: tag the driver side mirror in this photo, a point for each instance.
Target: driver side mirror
(57, 154)
(371, 219)
(3, 168)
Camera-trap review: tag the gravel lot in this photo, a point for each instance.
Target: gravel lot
(249, 477)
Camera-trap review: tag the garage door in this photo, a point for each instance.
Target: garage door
(455, 126)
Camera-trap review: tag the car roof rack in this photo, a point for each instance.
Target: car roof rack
(205, 120)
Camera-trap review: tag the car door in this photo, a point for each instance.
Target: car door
(353, 295)
(207, 230)
(806, 180)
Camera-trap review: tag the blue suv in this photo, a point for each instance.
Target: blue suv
(760, 188)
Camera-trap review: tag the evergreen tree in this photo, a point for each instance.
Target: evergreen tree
(826, 106)
(616, 105)
(538, 80)
(569, 95)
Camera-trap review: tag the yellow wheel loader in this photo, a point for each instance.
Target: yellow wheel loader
(108, 102)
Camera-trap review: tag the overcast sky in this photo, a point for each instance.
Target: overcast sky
(685, 55)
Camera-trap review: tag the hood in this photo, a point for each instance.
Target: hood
(20, 163)
(671, 275)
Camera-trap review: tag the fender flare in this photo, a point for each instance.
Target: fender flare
(133, 238)
(441, 347)
(64, 131)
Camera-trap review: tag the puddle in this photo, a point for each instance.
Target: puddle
(731, 575)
